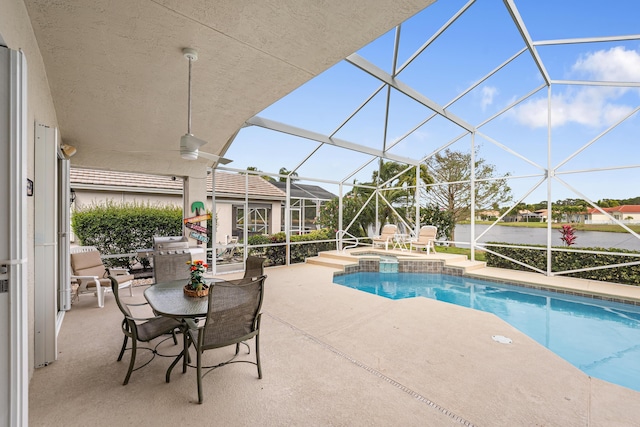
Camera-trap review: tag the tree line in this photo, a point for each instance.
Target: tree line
(444, 192)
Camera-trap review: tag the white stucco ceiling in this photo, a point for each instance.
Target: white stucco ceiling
(119, 79)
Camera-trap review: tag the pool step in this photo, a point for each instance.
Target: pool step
(468, 265)
(338, 260)
(337, 255)
(332, 259)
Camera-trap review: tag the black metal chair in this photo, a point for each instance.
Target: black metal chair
(142, 329)
(233, 317)
(254, 267)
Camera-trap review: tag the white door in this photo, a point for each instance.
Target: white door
(14, 385)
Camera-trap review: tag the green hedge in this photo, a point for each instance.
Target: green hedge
(119, 228)
(562, 261)
(276, 255)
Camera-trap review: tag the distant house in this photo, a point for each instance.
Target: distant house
(524, 215)
(305, 203)
(628, 214)
(264, 208)
(487, 215)
(543, 213)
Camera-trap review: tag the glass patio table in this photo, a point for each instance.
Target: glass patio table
(168, 299)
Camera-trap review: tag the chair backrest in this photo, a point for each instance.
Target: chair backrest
(87, 263)
(427, 232)
(389, 230)
(254, 266)
(115, 287)
(234, 308)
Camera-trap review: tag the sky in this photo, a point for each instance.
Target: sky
(592, 127)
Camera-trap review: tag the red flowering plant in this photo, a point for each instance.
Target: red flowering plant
(196, 280)
(568, 234)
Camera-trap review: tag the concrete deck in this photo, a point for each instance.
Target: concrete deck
(331, 356)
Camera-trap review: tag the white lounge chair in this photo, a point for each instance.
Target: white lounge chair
(386, 236)
(426, 238)
(92, 276)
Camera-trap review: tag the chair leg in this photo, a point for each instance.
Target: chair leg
(185, 352)
(132, 362)
(100, 294)
(167, 376)
(124, 347)
(199, 372)
(258, 355)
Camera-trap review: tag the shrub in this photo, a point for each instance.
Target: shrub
(122, 228)
(568, 234)
(276, 255)
(443, 220)
(562, 261)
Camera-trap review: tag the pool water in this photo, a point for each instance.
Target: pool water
(601, 338)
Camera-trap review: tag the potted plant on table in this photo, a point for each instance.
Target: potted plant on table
(196, 286)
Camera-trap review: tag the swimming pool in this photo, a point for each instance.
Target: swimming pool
(599, 337)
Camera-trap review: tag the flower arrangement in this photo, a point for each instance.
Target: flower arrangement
(196, 278)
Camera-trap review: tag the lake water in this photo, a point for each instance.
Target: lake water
(538, 236)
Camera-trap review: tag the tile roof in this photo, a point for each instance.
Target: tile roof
(305, 191)
(227, 184)
(622, 209)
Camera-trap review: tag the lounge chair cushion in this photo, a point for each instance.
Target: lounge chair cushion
(90, 264)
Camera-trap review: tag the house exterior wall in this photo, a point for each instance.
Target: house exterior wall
(598, 218)
(89, 197)
(624, 217)
(224, 212)
(17, 33)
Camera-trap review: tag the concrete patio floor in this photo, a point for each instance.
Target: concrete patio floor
(331, 356)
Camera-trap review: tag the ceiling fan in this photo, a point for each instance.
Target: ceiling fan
(189, 144)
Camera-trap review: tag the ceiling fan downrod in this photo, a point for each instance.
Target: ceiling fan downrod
(191, 55)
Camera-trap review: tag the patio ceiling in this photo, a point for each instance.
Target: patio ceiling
(119, 79)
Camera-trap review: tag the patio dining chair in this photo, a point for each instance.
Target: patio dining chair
(233, 317)
(91, 274)
(254, 267)
(143, 329)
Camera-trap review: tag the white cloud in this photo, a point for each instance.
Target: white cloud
(488, 93)
(615, 64)
(592, 106)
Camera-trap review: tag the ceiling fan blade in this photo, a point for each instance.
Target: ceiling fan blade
(215, 157)
(189, 145)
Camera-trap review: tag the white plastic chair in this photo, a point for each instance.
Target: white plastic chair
(89, 271)
(387, 235)
(426, 238)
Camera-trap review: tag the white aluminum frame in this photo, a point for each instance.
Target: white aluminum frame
(548, 173)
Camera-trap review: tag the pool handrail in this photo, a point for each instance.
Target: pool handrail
(340, 237)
